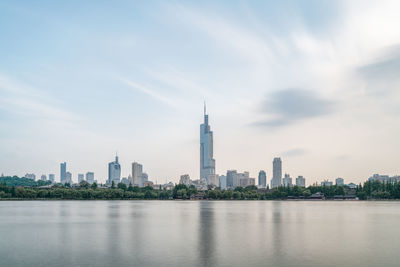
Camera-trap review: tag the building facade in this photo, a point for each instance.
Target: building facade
(81, 177)
(51, 177)
(287, 180)
(207, 162)
(262, 179)
(63, 172)
(185, 179)
(222, 182)
(276, 173)
(301, 181)
(114, 172)
(137, 173)
(339, 181)
(90, 177)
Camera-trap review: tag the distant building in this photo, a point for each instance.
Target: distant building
(287, 180)
(235, 179)
(63, 172)
(31, 176)
(340, 181)
(229, 178)
(130, 179)
(51, 177)
(222, 182)
(213, 179)
(137, 172)
(148, 183)
(68, 178)
(262, 179)
(384, 178)
(207, 162)
(326, 183)
(185, 179)
(81, 177)
(90, 177)
(352, 186)
(43, 177)
(125, 181)
(301, 181)
(114, 171)
(145, 177)
(277, 173)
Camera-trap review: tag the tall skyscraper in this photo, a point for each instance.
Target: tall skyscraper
(277, 173)
(63, 172)
(137, 173)
(207, 162)
(262, 179)
(114, 171)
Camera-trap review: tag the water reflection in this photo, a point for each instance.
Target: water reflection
(206, 234)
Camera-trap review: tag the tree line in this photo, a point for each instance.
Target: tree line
(12, 190)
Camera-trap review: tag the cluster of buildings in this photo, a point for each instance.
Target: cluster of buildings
(208, 176)
(232, 178)
(384, 178)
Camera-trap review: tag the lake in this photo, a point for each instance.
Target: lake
(199, 233)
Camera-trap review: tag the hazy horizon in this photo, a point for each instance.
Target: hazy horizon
(315, 83)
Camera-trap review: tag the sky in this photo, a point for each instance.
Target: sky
(316, 83)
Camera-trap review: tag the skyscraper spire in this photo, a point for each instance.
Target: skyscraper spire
(205, 111)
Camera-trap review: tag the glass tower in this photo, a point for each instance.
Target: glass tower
(207, 162)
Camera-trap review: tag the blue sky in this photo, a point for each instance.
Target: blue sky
(315, 82)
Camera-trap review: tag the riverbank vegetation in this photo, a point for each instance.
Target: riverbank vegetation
(12, 188)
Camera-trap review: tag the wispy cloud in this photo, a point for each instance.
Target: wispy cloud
(292, 105)
(294, 152)
(23, 99)
(146, 90)
(383, 74)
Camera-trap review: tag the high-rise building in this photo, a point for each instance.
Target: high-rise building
(51, 177)
(63, 172)
(137, 172)
(207, 162)
(277, 173)
(222, 182)
(287, 180)
(43, 177)
(114, 172)
(68, 178)
(301, 181)
(229, 178)
(262, 179)
(81, 178)
(340, 181)
(90, 177)
(185, 179)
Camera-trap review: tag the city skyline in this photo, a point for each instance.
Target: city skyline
(314, 83)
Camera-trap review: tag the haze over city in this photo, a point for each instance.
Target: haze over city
(315, 84)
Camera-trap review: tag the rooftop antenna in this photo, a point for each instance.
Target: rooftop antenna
(205, 107)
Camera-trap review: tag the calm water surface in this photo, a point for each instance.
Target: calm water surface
(199, 233)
